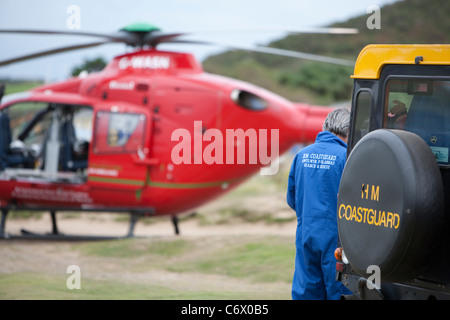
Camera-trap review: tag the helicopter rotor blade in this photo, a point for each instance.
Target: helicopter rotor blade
(274, 51)
(300, 55)
(116, 37)
(128, 37)
(312, 30)
(153, 36)
(52, 51)
(157, 37)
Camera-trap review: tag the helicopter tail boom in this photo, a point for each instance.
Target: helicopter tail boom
(313, 118)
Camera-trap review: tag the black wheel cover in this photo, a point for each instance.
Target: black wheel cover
(390, 205)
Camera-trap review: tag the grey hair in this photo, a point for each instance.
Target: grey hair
(337, 122)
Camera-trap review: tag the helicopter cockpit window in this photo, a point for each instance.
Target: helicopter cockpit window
(421, 106)
(119, 132)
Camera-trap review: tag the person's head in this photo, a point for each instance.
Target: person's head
(338, 122)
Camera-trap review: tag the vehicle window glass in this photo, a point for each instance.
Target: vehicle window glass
(119, 132)
(421, 106)
(362, 115)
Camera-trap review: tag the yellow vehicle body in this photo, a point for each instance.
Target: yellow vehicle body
(394, 194)
(373, 58)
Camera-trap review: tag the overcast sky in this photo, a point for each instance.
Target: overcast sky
(169, 15)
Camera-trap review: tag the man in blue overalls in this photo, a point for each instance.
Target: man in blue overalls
(312, 192)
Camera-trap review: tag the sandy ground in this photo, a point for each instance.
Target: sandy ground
(48, 256)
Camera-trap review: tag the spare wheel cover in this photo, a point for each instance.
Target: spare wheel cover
(390, 205)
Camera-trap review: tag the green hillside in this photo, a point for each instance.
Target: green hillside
(408, 21)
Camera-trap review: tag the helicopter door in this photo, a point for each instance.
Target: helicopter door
(119, 153)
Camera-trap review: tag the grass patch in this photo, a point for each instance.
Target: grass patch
(233, 215)
(33, 286)
(25, 214)
(19, 86)
(133, 269)
(125, 248)
(267, 260)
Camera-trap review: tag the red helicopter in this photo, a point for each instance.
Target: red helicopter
(151, 134)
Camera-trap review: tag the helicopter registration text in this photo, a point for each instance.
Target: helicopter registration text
(213, 153)
(145, 62)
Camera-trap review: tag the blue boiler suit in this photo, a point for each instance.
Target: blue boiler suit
(312, 191)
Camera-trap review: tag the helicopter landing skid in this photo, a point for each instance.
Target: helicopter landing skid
(27, 235)
(56, 235)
